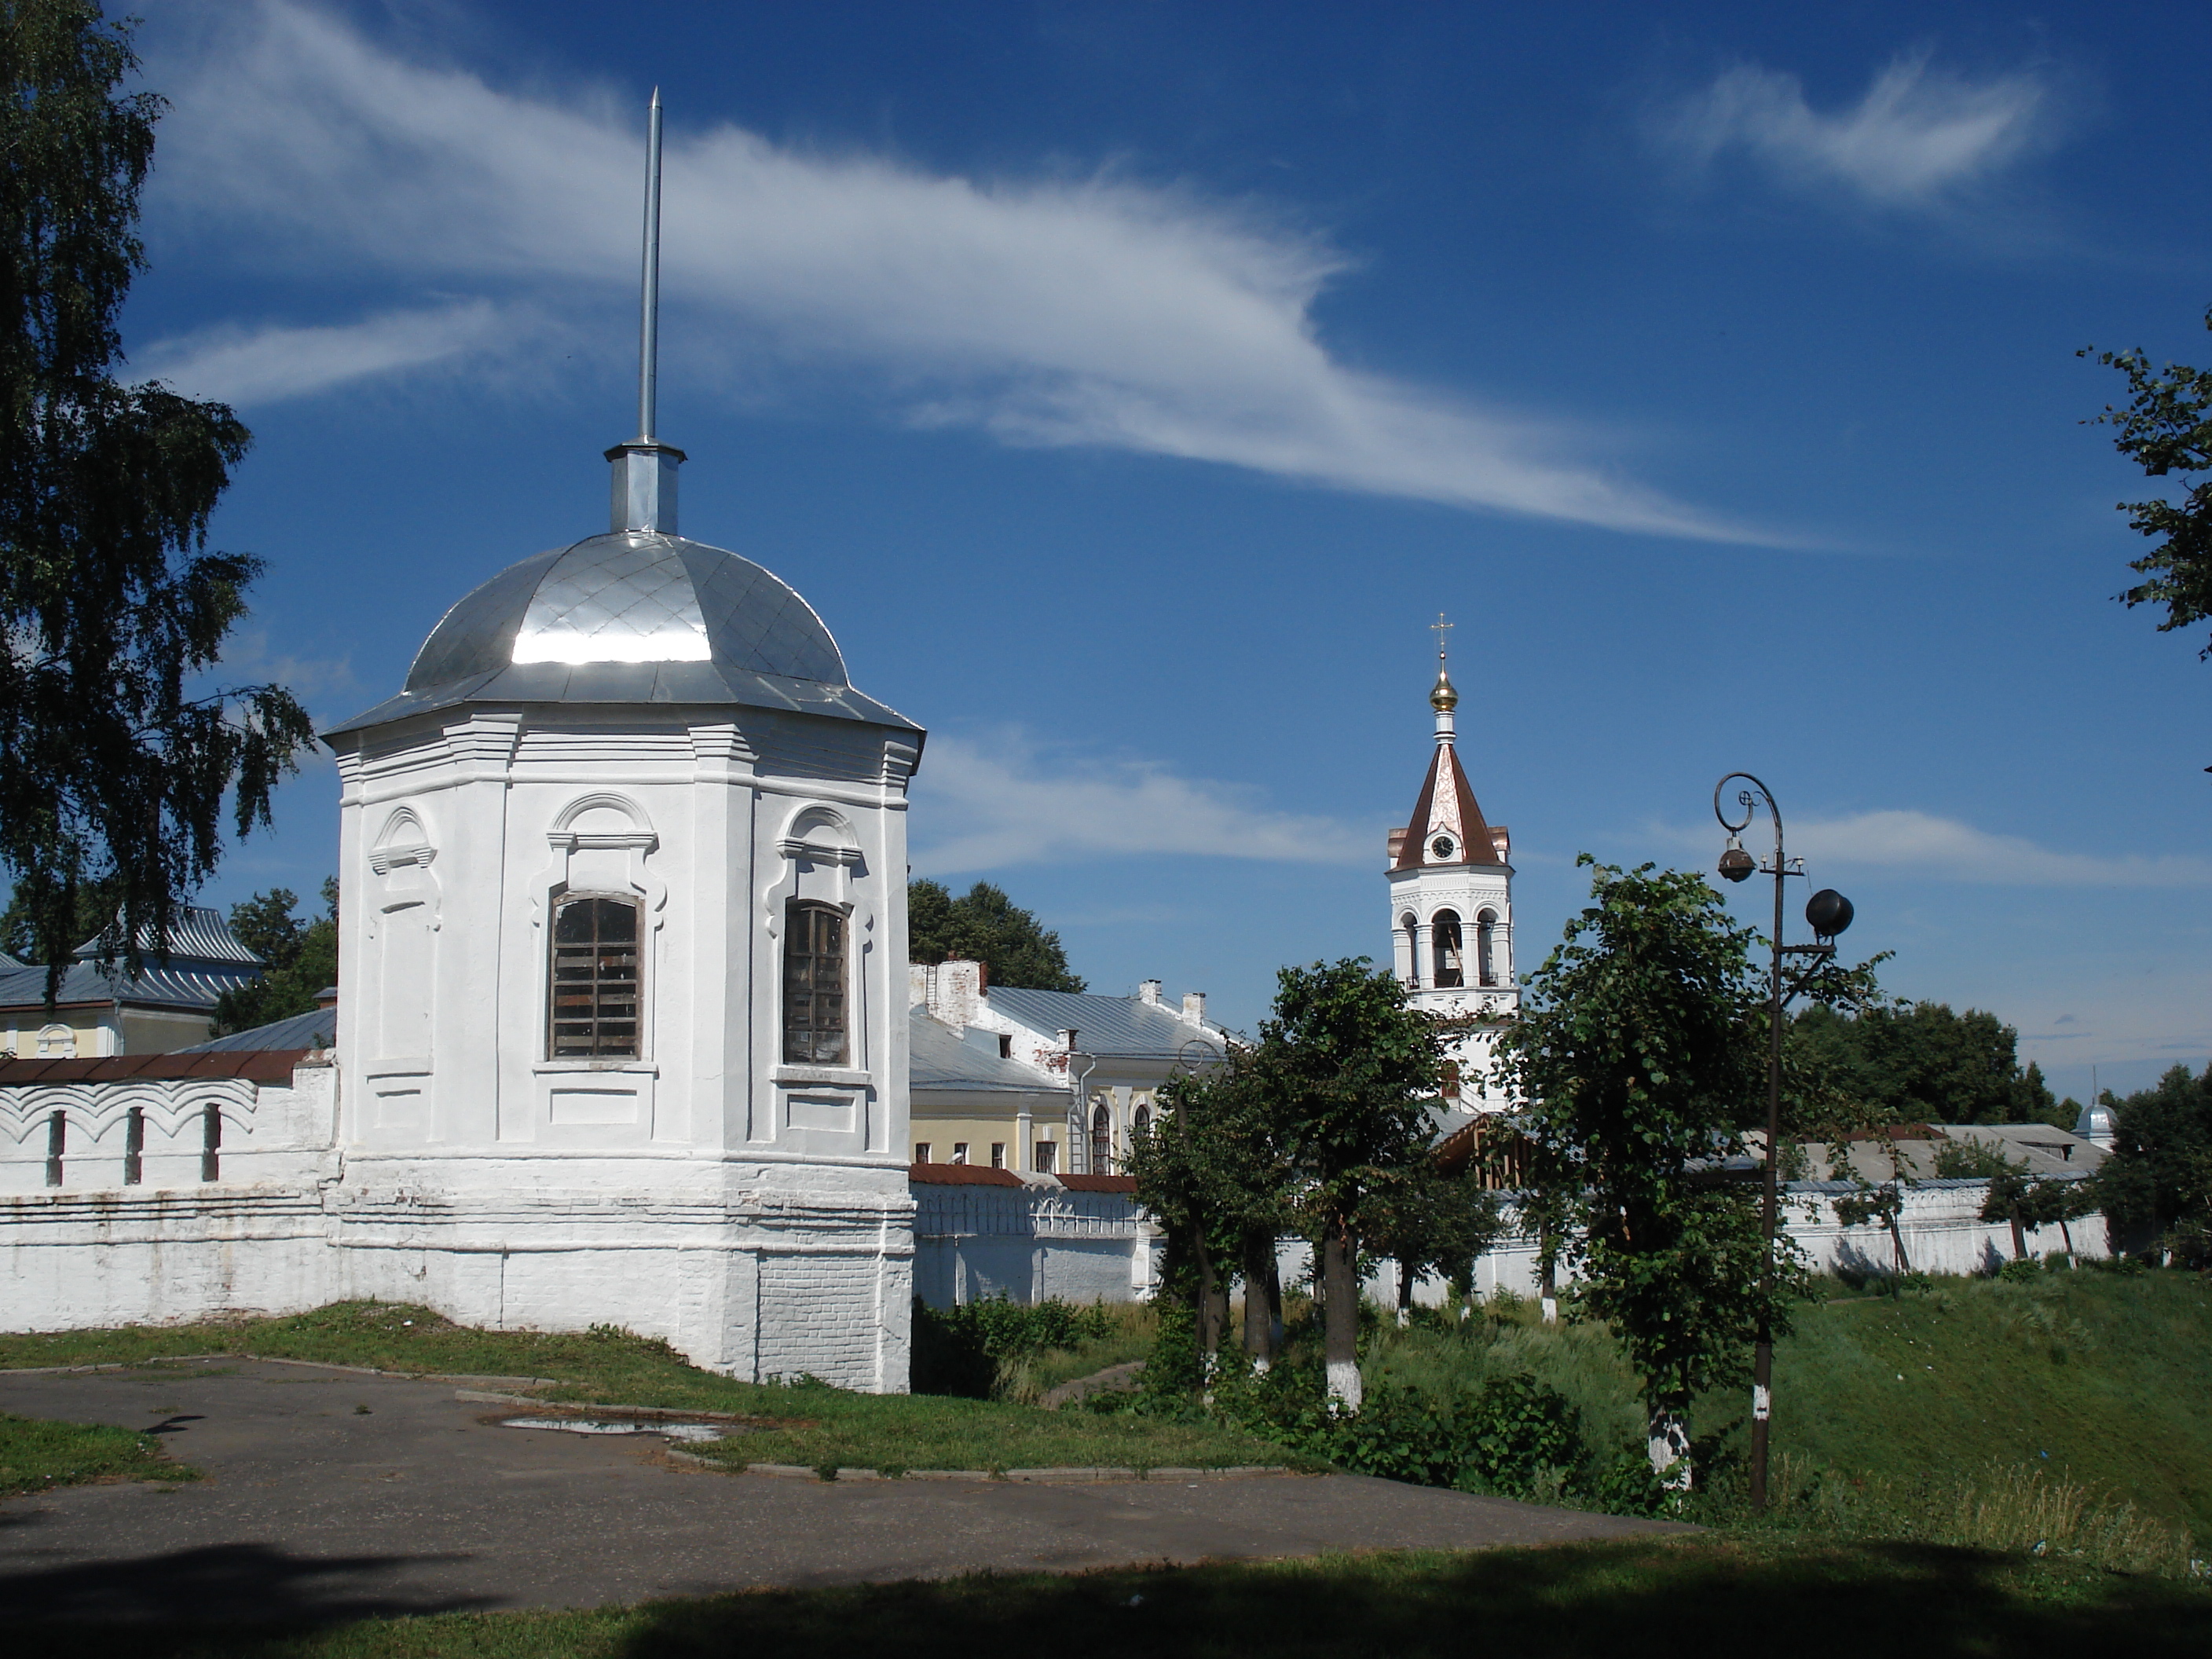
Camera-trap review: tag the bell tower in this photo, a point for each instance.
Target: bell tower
(1451, 903)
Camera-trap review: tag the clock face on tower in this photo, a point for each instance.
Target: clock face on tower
(1441, 846)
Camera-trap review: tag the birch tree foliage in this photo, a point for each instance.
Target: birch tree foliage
(122, 755)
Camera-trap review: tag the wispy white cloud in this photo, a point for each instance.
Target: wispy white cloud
(990, 804)
(236, 364)
(248, 658)
(1924, 844)
(1093, 310)
(1917, 135)
(1921, 844)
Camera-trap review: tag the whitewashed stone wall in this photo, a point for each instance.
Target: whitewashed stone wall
(95, 1251)
(756, 1272)
(1940, 1222)
(1028, 1243)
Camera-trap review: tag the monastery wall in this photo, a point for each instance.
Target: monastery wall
(1027, 1241)
(756, 1270)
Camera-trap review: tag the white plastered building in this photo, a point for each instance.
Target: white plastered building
(1452, 911)
(622, 931)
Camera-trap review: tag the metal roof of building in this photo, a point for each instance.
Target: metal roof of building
(1126, 1027)
(632, 617)
(189, 985)
(939, 1058)
(316, 1028)
(198, 936)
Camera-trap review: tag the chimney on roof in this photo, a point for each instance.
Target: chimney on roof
(1193, 1006)
(1148, 992)
(955, 992)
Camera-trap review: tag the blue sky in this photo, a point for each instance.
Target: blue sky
(1130, 385)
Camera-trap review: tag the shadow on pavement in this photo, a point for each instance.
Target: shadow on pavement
(223, 1584)
(1571, 1600)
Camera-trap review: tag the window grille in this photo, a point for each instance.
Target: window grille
(1046, 1156)
(1101, 1141)
(595, 992)
(814, 986)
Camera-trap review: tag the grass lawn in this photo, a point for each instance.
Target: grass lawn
(37, 1456)
(1971, 1381)
(1701, 1596)
(2100, 1376)
(811, 1425)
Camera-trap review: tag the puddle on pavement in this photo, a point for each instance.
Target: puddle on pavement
(693, 1432)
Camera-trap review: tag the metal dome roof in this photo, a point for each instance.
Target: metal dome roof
(632, 617)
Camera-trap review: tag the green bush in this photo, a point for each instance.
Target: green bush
(2021, 1270)
(1512, 1435)
(959, 1350)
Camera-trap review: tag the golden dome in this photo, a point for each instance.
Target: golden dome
(1445, 697)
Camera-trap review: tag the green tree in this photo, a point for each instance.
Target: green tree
(1923, 1063)
(1640, 1049)
(1211, 1172)
(2167, 429)
(983, 925)
(301, 951)
(2013, 1188)
(1346, 1070)
(96, 903)
(1435, 1223)
(2161, 1141)
(115, 759)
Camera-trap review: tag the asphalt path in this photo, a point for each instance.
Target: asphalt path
(331, 1495)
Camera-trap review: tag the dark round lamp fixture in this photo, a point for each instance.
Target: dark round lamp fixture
(1828, 913)
(1737, 863)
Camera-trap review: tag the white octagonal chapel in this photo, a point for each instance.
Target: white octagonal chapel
(622, 931)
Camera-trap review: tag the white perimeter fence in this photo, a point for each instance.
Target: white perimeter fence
(1039, 1240)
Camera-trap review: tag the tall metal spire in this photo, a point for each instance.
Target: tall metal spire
(648, 331)
(644, 468)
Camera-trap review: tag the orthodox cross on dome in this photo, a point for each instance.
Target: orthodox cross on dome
(1443, 697)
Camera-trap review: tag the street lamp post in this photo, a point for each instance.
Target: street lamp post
(1829, 913)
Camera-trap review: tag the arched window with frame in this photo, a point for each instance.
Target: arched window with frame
(1445, 945)
(594, 1010)
(1102, 1140)
(815, 995)
(1485, 948)
(1140, 1122)
(1412, 951)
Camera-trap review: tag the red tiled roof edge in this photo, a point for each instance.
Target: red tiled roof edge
(254, 1065)
(961, 1175)
(1126, 1185)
